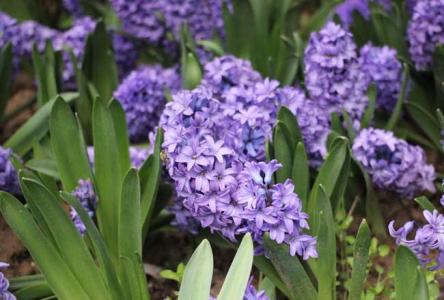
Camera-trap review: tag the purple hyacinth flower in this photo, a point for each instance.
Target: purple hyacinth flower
(425, 32)
(73, 7)
(382, 68)
(333, 76)
(8, 175)
(392, 163)
(4, 285)
(142, 95)
(84, 192)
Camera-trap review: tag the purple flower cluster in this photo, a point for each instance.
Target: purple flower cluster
(8, 30)
(8, 175)
(392, 163)
(4, 285)
(425, 32)
(160, 22)
(333, 76)
(142, 95)
(382, 68)
(84, 192)
(73, 7)
(126, 53)
(428, 242)
(213, 136)
(30, 33)
(346, 9)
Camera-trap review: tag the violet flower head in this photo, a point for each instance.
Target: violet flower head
(392, 163)
(84, 192)
(212, 163)
(425, 32)
(332, 73)
(346, 9)
(142, 95)
(251, 293)
(30, 33)
(313, 122)
(73, 7)
(382, 68)
(8, 30)
(4, 285)
(141, 18)
(126, 53)
(428, 240)
(75, 40)
(8, 175)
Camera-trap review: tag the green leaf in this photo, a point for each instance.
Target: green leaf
(191, 70)
(55, 269)
(267, 268)
(237, 278)
(196, 282)
(282, 151)
(5, 76)
(438, 73)
(213, 46)
(102, 253)
(35, 127)
(318, 20)
(98, 52)
(32, 292)
(425, 203)
(291, 123)
(301, 173)
(370, 110)
(130, 227)
(291, 271)
(333, 174)
(323, 227)
(360, 261)
(396, 114)
(267, 285)
(72, 165)
(149, 181)
(67, 240)
(44, 166)
(121, 130)
(409, 278)
(108, 174)
(427, 122)
(20, 282)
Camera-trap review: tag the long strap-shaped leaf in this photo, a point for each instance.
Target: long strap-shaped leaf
(59, 276)
(103, 257)
(360, 260)
(291, 271)
(5, 75)
(410, 281)
(64, 128)
(67, 240)
(196, 283)
(237, 278)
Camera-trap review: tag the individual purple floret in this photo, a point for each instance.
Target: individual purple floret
(142, 95)
(313, 122)
(425, 32)
(141, 18)
(332, 74)
(84, 192)
(73, 7)
(251, 293)
(126, 53)
(382, 68)
(4, 285)
(392, 163)
(209, 136)
(8, 175)
(75, 40)
(428, 241)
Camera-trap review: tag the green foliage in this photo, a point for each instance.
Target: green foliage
(5, 76)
